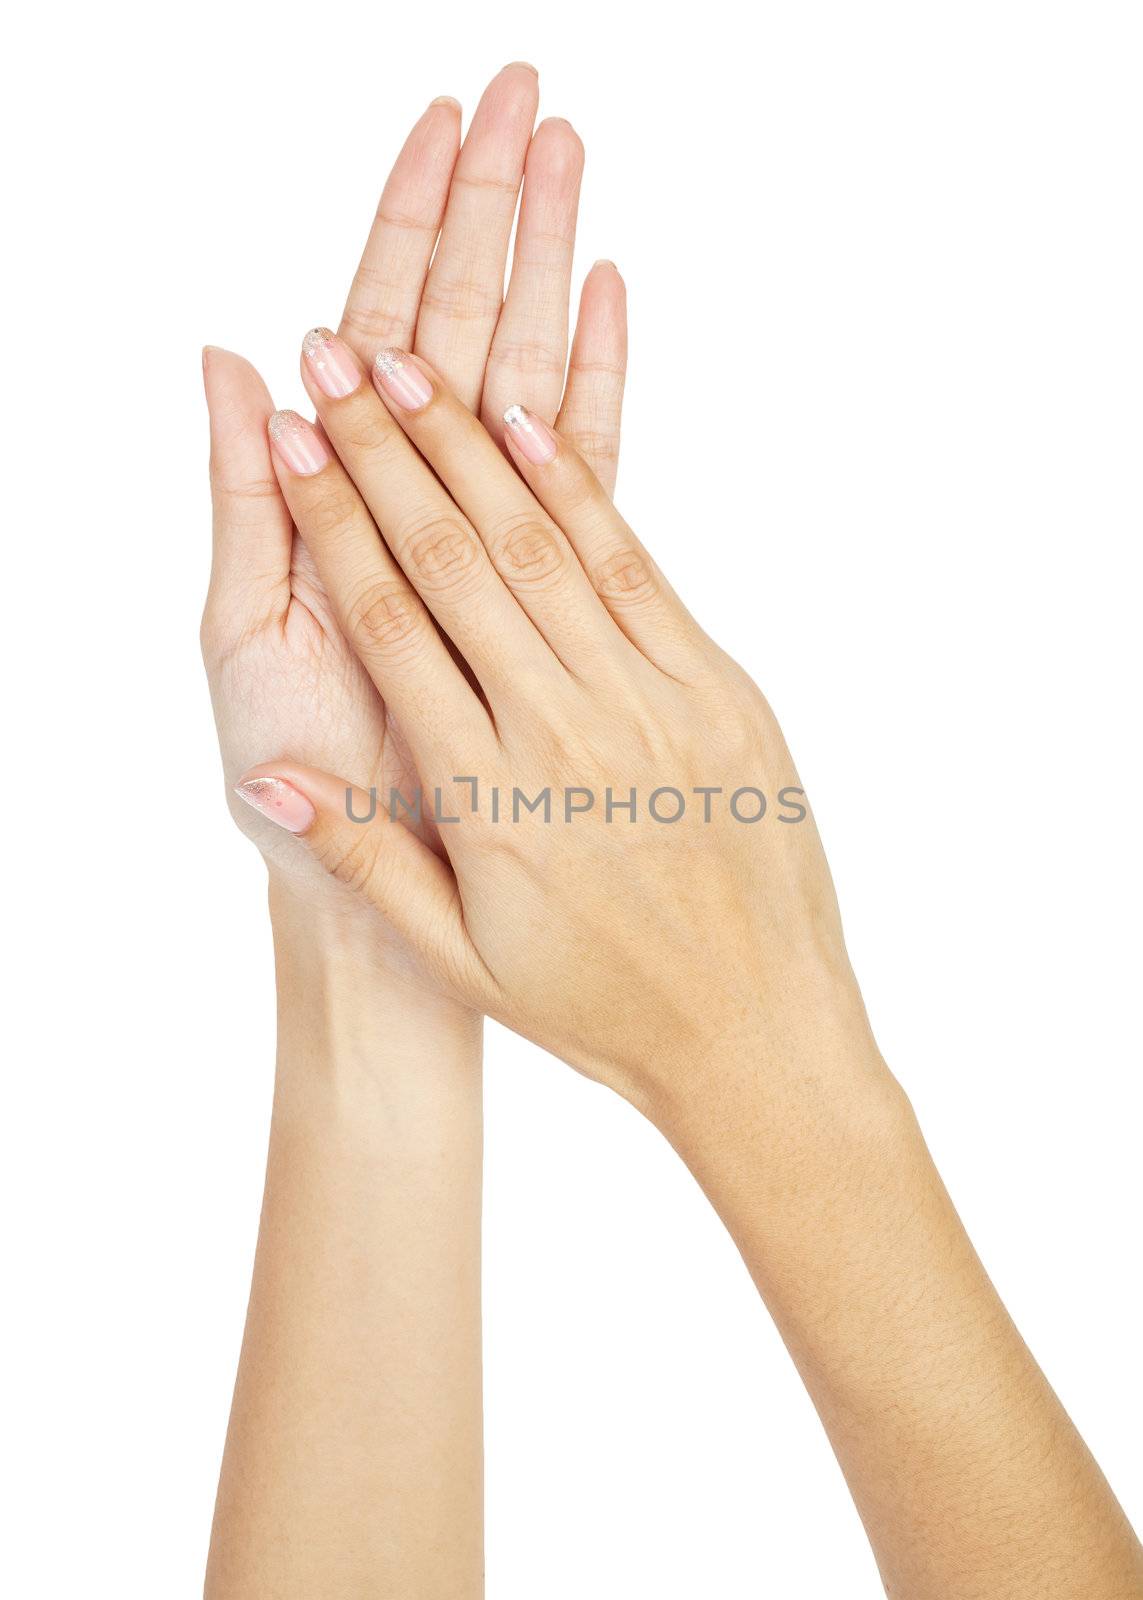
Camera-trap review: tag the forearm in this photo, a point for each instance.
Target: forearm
(967, 1472)
(353, 1458)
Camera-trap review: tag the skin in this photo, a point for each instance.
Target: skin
(699, 969)
(348, 1471)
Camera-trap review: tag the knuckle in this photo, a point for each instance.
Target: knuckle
(601, 374)
(527, 551)
(240, 491)
(527, 357)
(441, 552)
(213, 635)
(226, 630)
(737, 734)
(462, 299)
(594, 443)
(323, 509)
(581, 494)
(626, 578)
(488, 838)
(378, 310)
(351, 860)
(384, 617)
(489, 182)
(365, 429)
(404, 221)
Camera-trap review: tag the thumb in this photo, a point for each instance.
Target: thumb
(350, 833)
(253, 532)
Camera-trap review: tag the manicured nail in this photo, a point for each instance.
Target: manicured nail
(534, 439)
(333, 364)
(298, 443)
(404, 383)
(278, 800)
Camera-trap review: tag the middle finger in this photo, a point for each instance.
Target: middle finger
(465, 288)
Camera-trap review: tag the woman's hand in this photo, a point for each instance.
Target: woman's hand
(281, 673)
(667, 901)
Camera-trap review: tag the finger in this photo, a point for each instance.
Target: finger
(432, 541)
(526, 547)
(465, 288)
(619, 569)
(593, 399)
(253, 533)
(380, 614)
(357, 840)
(386, 289)
(530, 347)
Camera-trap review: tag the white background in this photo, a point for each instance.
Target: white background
(885, 266)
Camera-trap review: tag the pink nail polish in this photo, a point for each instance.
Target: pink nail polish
(298, 443)
(534, 439)
(404, 383)
(333, 364)
(278, 800)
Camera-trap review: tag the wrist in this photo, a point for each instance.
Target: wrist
(796, 1071)
(811, 1166)
(352, 1009)
(822, 1105)
(347, 945)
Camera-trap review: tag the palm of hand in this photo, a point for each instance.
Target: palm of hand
(293, 682)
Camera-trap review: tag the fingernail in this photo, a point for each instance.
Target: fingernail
(605, 261)
(278, 800)
(445, 100)
(527, 65)
(404, 383)
(333, 365)
(298, 443)
(534, 439)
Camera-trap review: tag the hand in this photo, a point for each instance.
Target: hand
(638, 949)
(281, 674)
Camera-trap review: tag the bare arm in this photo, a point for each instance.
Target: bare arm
(968, 1474)
(353, 1458)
